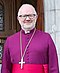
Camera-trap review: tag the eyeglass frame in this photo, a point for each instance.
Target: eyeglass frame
(31, 16)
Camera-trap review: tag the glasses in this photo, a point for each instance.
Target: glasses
(31, 16)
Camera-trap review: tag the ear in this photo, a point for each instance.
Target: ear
(36, 17)
(17, 18)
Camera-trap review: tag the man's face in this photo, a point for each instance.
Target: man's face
(27, 18)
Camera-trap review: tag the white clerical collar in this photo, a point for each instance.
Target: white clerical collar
(27, 32)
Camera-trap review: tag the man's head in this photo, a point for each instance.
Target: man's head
(27, 17)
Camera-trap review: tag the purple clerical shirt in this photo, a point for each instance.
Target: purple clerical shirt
(40, 51)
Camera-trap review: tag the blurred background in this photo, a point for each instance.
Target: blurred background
(48, 20)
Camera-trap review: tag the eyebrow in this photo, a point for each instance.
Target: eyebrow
(27, 15)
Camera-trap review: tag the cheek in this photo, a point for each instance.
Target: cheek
(20, 20)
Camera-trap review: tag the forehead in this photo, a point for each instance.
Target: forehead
(27, 9)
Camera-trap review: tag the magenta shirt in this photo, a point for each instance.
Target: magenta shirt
(40, 51)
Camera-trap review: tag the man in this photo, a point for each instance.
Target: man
(29, 50)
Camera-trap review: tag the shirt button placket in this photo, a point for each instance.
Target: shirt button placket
(27, 52)
(27, 55)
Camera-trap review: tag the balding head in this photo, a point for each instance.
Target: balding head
(26, 9)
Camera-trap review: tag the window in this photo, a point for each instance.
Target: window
(1, 17)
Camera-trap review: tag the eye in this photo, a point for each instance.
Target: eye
(34, 14)
(20, 15)
(24, 15)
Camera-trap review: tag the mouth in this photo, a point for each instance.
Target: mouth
(27, 21)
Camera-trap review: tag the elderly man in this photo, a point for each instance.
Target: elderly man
(29, 50)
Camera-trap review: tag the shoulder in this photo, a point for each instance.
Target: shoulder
(42, 33)
(14, 36)
(45, 36)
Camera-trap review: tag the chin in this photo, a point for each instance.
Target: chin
(28, 26)
(31, 26)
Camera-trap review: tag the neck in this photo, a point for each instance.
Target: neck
(28, 31)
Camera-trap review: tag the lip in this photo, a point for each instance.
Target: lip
(27, 21)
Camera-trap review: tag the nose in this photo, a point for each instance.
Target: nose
(27, 18)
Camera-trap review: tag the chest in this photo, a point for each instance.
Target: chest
(37, 48)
